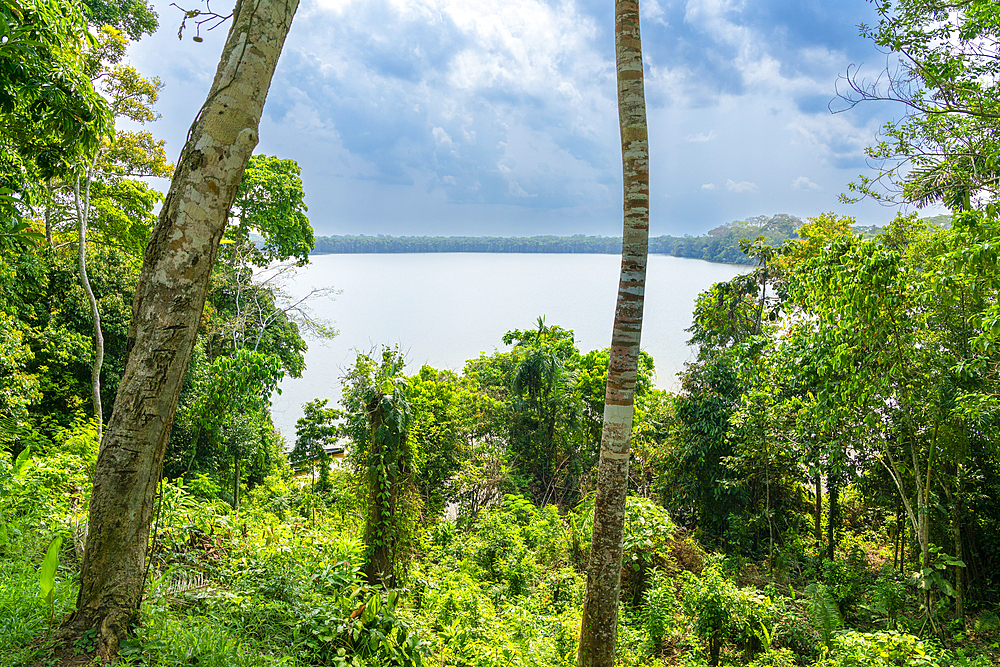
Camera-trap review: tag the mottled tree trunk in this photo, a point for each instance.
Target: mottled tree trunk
(165, 313)
(599, 629)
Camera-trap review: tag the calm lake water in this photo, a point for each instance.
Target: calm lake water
(445, 308)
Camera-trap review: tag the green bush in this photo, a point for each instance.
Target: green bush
(781, 657)
(720, 612)
(649, 531)
(892, 649)
(659, 607)
(887, 599)
(500, 550)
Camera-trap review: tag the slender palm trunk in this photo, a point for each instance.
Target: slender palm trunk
(166, 311)
(599, 629)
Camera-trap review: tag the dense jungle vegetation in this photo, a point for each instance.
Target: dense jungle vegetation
(822, 491)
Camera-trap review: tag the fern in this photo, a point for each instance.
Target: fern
(823, 612)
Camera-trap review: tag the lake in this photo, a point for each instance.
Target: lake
(445, 308)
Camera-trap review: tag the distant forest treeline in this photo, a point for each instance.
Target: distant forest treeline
(721, 244)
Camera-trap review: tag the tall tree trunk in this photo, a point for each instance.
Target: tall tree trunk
(48, 213)
(833, 511)
(236, 483)
(386, 477)
(599, 628)
(956, 527)
(165, 313)
(818, 529)
(82, 213)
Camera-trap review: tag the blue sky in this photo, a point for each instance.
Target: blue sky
(498, 117)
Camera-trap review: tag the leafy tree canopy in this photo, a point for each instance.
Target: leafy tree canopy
(270, 203)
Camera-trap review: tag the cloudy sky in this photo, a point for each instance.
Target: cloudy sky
(498, 117)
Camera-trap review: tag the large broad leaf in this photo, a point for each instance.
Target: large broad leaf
(47, 575)
(22, 458)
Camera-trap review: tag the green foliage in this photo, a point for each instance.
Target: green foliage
(891, 649)
(545, 421)
(943, 149)
(659, 607)
(47, 577)
(50, 115)
(720, 612)
(441, 433)
(133, 17)
(315, 429)
(823, 611)
(378, 421)
(247, 304)
(502, 549)
(887, 599)
(22, 618)
(704, 490)
(270, 203)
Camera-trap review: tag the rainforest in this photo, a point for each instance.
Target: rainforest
(821, 490)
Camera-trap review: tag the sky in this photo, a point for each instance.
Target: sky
(499, 117)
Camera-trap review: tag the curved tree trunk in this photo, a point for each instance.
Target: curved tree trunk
(168, 303)
(82, 214)
(599, 629)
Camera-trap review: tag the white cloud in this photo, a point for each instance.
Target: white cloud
(701, 137)
(422, 100)
(441, 136)
(742, 186)
(650, 10)
(803, 183)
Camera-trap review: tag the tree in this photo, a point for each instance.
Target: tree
(378, 422)
(131, 97)
(316, 428)
(441, 434)
(133, 17)
(167, 309)
(545, 431)
(268, 238)
(270, 203)
(599, 629)
(945, 73)
(50, 115)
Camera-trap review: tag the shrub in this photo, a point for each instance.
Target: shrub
(500, 549)
(721, 612)
(646, 544)
(781, 657)
(892, 649)
(659, 607)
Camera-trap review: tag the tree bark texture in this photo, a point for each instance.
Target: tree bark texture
(599, 628)
(165, 313)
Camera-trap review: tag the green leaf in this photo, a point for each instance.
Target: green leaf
(47, 573)
(22, 458)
